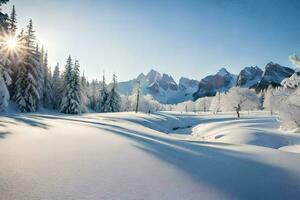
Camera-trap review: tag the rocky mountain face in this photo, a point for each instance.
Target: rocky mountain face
(249, 76)
(164, 89)
(273, 76)
(221, 81)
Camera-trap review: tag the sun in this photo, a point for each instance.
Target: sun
(11, 42)
(11, 45)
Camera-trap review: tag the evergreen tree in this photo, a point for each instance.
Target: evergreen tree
(4, 19)
(93, 95)
(47, 87)
(103, 96)
(114, 99)
(40, 71)
(13, 21)
(4, 82)
(71, 101)
(84, 96)
(57, 88)
(28, 96)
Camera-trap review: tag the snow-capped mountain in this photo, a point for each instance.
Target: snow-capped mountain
(273, 75)
(249, 76)
(163, 88)
(220, 82)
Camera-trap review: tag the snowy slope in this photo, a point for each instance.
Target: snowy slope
(136, 156)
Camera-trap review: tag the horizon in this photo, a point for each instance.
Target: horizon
(184, 39)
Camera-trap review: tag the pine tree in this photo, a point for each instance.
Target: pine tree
(76, 103)
(13, 21)
(93, 95)
(40, 54)
(4, 19)
(71, 101)
(47, 87)
(5, 81)
(28, 96)
(114, 99)
(103, 95)
(57, 88)
(84, 96)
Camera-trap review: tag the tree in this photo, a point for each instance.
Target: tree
(13, 21)
(57, 88)
(3, 18)
(93, 94)
(137, 92)
(47, 86)
(240, 98)
(103, 96)
(71, 102)
(27, 92)
(114, 99)
(4, 82)
(83, 92)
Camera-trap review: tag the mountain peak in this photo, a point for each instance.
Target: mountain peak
(223, 71)
(153, 75)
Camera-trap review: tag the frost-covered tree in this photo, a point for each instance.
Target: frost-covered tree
(57, 88)
(137, 93)
(125, 103)
(216, 101)
(103, 96)
(114, 99)
(289, 111)
(238, 99)
(71, 101)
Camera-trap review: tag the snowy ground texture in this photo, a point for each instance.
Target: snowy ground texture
(137, 156)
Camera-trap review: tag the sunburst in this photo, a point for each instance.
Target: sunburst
(11, 45)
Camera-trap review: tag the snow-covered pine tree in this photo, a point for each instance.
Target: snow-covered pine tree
(40, 54)
(4, 82)
(71, 101)
(83, 92)
(67, 87)
(93, 94)
(27, 96)
(103, 95)
(114, 99)
(47, 86)
(3, 18)
(13, 21)
(57, 88)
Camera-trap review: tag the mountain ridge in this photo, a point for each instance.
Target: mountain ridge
(166, 90)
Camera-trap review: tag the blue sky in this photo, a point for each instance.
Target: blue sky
(191, 38)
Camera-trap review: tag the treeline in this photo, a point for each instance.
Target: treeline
(27, 80)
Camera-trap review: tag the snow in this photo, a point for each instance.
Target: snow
(141, 156)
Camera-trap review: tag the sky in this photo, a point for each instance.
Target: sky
(190, 38)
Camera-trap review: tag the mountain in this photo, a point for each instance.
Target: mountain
(249, 76)
(273, 75)
(220, 82)
(163, 88)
